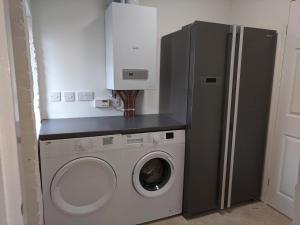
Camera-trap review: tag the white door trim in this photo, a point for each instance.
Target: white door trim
(286, 129)
(271, 139)
(10, 185)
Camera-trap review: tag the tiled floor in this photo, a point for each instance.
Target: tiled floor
(252, 214)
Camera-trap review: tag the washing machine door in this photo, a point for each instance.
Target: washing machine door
(154, 174)
(83, 186)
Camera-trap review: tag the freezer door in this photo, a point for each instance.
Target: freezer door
(208, 72)
(251, 114)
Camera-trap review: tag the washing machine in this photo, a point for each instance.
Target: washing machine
(157, 172)
(112, 180)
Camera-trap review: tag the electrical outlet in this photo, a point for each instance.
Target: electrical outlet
(69, 96)
(55, 97)
(85, 96)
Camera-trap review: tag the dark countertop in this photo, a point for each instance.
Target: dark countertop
(96, 126)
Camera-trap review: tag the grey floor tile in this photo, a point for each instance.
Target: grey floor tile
(251, 214)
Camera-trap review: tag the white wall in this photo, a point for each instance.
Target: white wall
(271, 14)
(69, 37)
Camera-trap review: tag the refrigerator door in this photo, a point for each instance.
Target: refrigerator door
(208, 72)
(251, 113)
(174, 70)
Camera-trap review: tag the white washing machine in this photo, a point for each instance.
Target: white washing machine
(112, 180)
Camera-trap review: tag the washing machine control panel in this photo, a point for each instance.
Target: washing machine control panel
(58, 148)
(155, 138)
(134, 139)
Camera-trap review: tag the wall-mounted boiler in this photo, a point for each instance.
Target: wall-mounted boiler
(131, 43)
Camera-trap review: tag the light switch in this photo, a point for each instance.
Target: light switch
(69, 96)
(55, 96)
(85, 96)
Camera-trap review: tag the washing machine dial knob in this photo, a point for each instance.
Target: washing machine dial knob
(156, 139)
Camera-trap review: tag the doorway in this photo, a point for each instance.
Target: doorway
(285, 160)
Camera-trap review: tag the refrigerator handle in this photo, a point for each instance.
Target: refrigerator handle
(232, 60)
(235, 115)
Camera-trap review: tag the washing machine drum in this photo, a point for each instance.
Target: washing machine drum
(83, 186)
(154, 174)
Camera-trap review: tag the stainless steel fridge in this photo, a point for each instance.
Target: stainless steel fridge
(217, 79)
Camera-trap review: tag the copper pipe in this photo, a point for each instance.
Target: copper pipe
(128, 97)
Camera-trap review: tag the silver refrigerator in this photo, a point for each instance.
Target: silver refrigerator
(217, 79)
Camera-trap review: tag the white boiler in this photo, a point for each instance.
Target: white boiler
(131, 44)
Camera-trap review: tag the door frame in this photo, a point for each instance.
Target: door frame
(274, 122)
(273, 118)
(10, 182)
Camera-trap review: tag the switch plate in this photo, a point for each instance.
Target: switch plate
(55, 96)
(85, 96)
(69, 96)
